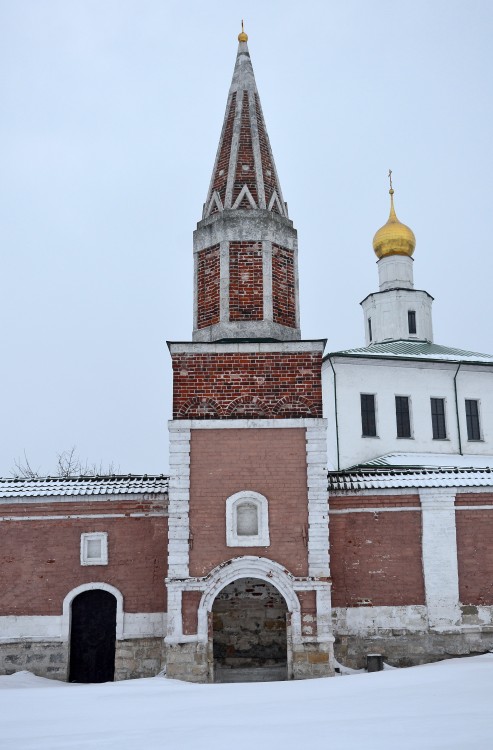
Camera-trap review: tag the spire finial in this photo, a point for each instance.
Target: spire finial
(391, 191)
(242, 37)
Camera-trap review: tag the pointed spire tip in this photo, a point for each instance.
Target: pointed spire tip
(242, 36)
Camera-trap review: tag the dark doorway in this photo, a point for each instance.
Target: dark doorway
(249, 620)
(92, 637)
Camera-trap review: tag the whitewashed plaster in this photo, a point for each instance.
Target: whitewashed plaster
(367, 621)
(439, 551)
(418, 380)
(38, 628)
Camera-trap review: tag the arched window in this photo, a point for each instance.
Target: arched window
(247, 520)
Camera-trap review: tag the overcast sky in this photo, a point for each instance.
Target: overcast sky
(111, 115)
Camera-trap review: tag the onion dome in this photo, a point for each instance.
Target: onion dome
(394, 238)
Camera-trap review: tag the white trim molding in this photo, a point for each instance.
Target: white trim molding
(179, 499)
(86, 556)
(67, 607)
(234, 538)
(318, 511)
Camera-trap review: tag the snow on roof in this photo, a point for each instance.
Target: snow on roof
(381, 478)
(433, 460)
(111, 484)
(416, 350)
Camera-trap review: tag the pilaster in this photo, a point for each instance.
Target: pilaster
(439, 549)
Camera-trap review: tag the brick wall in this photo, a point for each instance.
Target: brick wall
(245, 165)
(246, 285)
(208, 281)
(269, 461)
(189, 607)
(283, 286)
(375, 558)
(221, 176)
(271, 384)
(475, 551)
(40, 560)
(267, 165)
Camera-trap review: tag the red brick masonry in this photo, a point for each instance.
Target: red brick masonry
(40, 559)
(246, 287)
(283, 286)
(208, 279)
(248, 385)
(375, 558)
(269, 461)
(475, 550)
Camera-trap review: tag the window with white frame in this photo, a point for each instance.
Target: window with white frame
(247, 520)
(94, 548)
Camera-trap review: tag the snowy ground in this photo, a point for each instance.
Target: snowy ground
(446, 705)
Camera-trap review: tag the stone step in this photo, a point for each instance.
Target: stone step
(250, 674)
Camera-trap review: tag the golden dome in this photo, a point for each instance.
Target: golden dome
(242, 37)
(394, 238)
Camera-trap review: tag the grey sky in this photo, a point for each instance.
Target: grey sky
(111, 115)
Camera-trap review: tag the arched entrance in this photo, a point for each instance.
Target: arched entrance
(249, 632)
(92, 637)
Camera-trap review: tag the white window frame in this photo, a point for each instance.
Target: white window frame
(91, 537)
(261, 539)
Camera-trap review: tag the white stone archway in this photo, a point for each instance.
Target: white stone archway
(67, 605)
(249, 567)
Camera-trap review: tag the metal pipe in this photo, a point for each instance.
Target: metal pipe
(457, 407)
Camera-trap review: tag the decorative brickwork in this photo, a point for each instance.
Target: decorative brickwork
(45, 556)
(268, 169)
(375, 558)
(283, 286)
(275, 384)
(269, 461)
(475, 552)
(246, 287)
(245, 164)
(208, 279)
(221, 175)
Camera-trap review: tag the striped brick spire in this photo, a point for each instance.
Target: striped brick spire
(244, 174)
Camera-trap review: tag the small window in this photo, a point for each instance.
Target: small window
(247, 520)
(94, 548)
(438, 419)
(368, 421)
(472, 419)
(403, 416)
(370, 335)
(411, 321)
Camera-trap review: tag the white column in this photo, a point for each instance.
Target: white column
(318, 503)
(179, 500)
(439, 549)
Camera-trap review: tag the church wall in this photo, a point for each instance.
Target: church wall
(375, 557)
(418, 380)
(271, 462)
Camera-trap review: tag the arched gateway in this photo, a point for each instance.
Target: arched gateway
(250, 624)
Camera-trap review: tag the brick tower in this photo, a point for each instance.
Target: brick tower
(248, 563)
